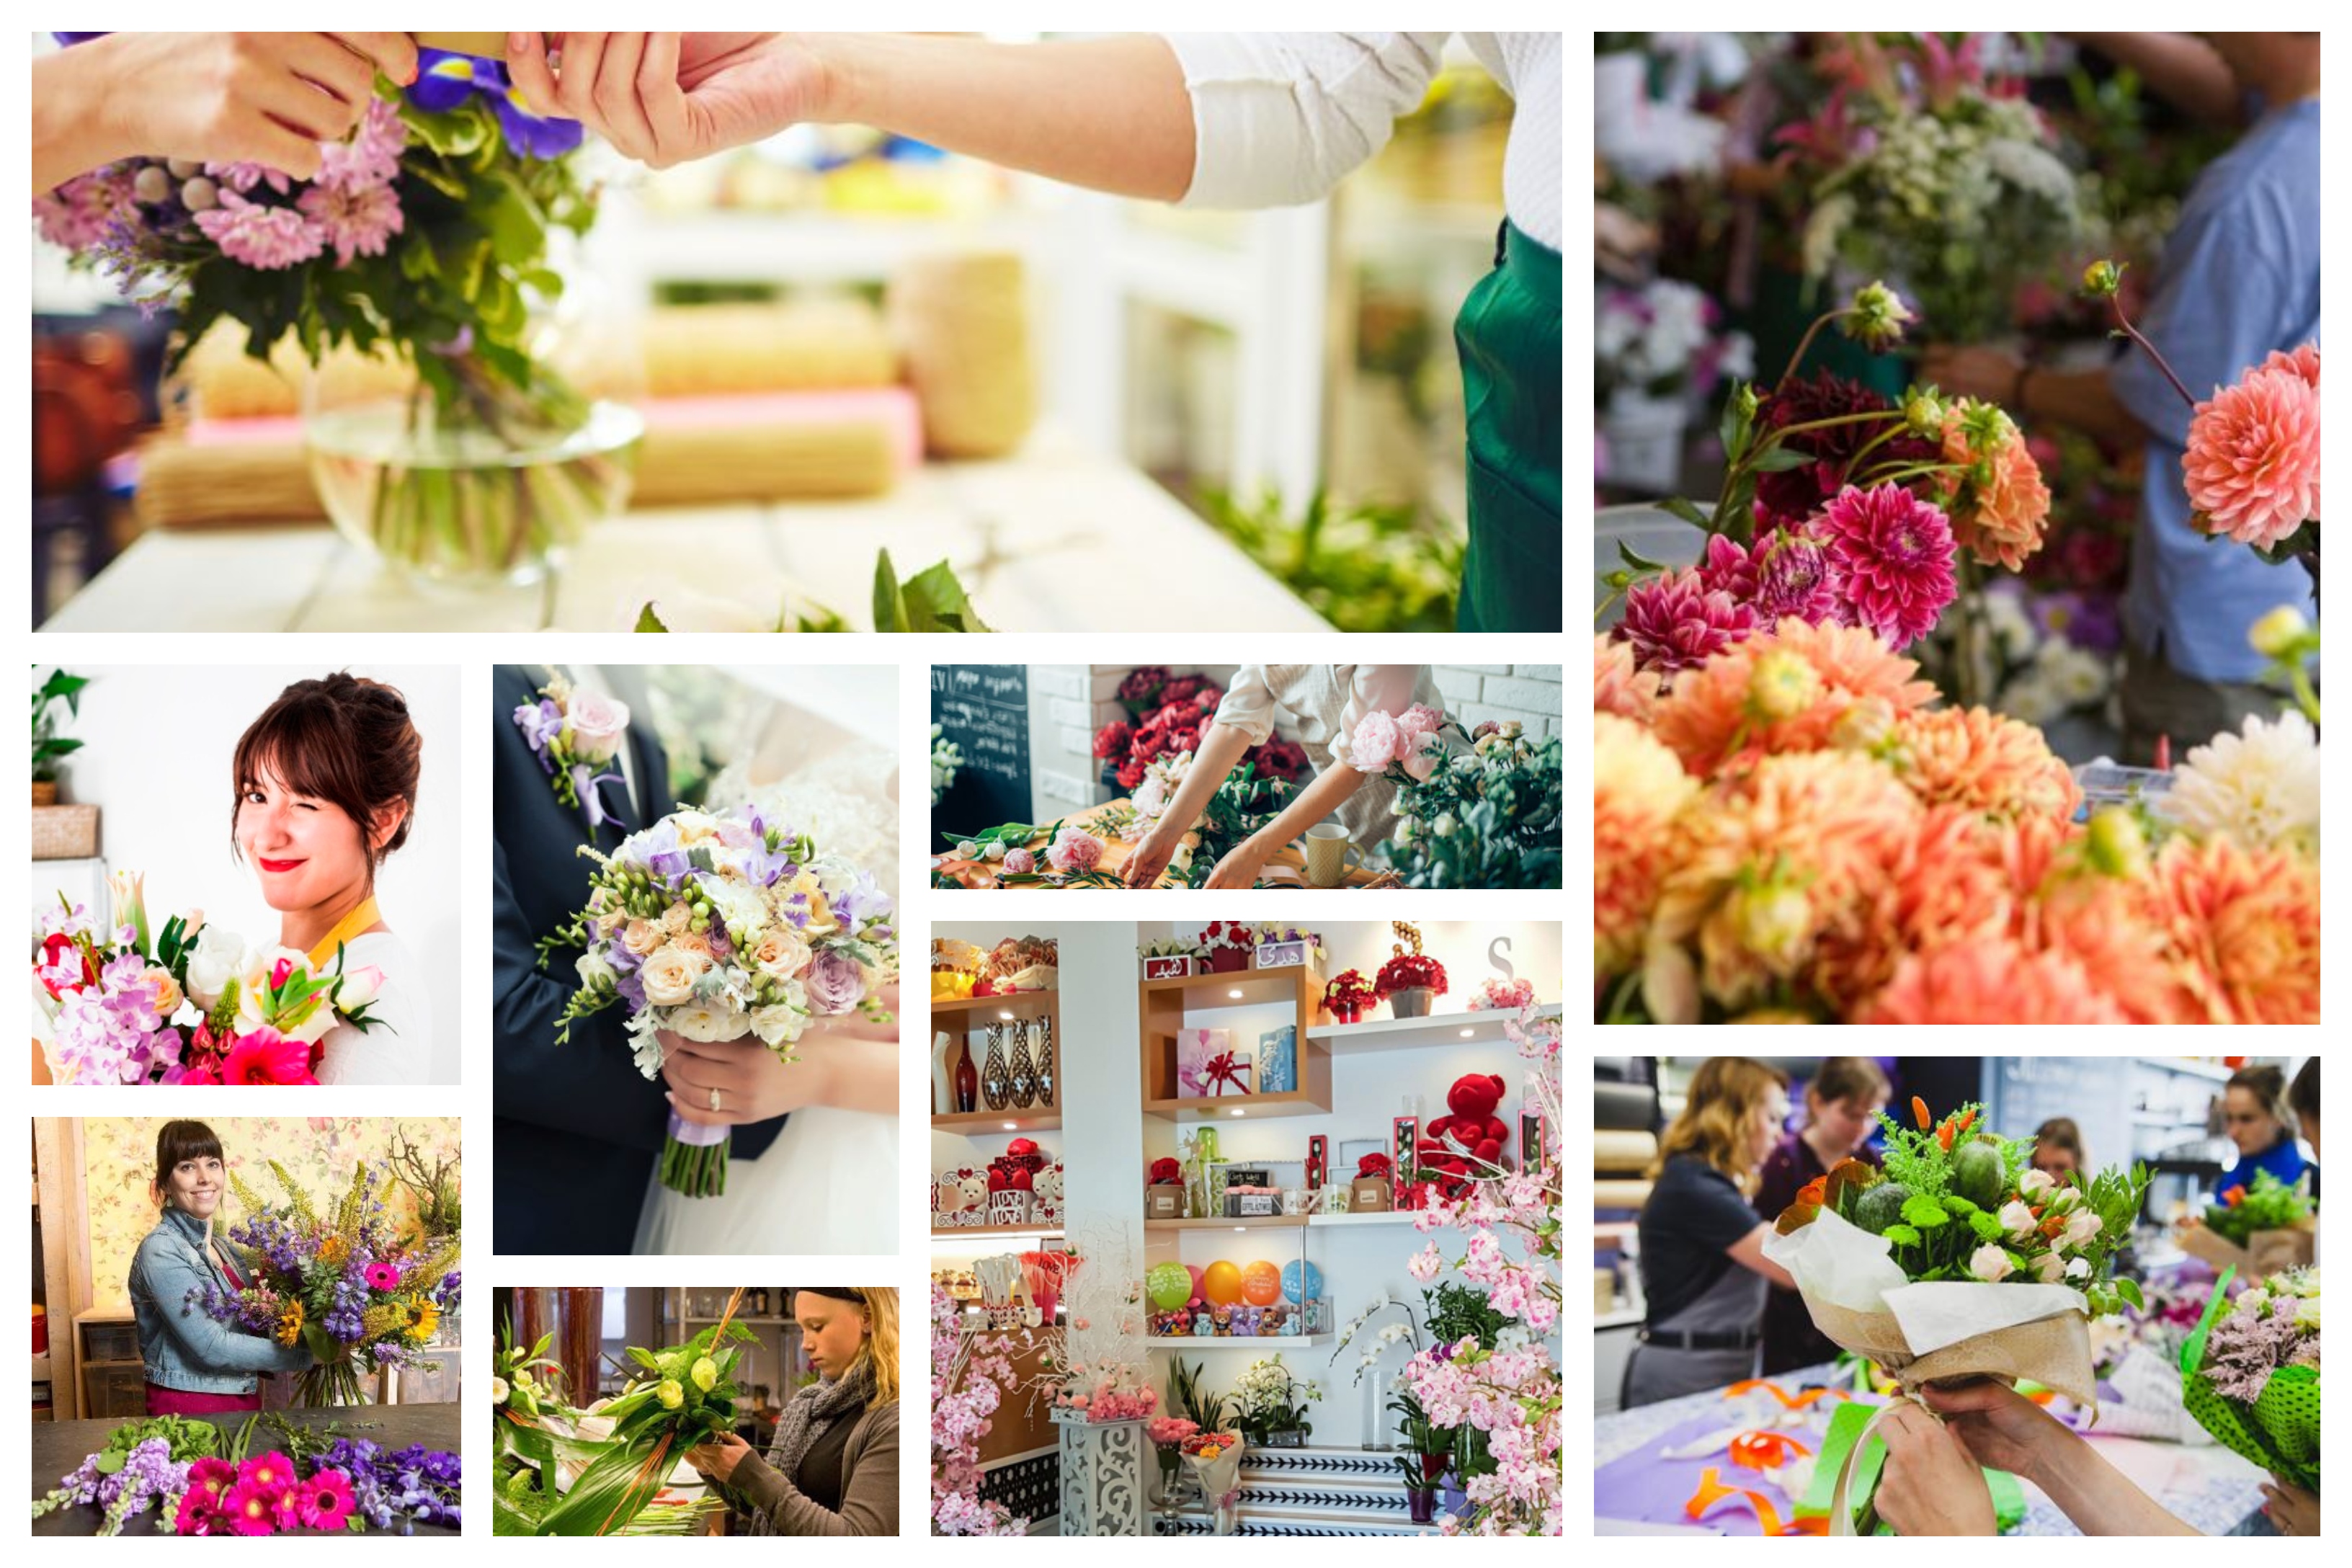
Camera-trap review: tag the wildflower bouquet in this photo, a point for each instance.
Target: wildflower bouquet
(2251, 1373)
(719, 927)
(341, 1283)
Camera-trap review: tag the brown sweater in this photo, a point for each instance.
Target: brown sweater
(869, 1486)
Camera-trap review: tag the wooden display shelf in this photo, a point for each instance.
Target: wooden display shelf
(1262, 1222)
(1036, 1119)
(1255, 986)
(1296, 1102)
(961, 1016)
(1263, 1343)
(1417, 1034)
(1163, 1006)
(1018, 1004)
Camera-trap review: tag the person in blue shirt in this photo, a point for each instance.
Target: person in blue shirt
(2239, 278)
(2254, 1115)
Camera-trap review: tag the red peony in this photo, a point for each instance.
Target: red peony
(1281, 759)
(1112, 739)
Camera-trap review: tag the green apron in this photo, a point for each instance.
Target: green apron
(1508, 335)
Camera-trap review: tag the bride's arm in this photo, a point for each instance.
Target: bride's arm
(858, 1074)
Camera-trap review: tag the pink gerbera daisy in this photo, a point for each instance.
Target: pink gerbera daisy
(384, 1276)
(1893, 552)
(266, 1056)
(250, 1509)
(325, 1501)
(1675, 622)
(2253, 464)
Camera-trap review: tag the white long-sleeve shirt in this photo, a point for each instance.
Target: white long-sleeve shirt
(1280, 118)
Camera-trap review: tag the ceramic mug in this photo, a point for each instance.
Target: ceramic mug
(1328, 853)
(1335, 1200)
(1295, 1200)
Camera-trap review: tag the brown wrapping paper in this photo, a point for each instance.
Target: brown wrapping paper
(2265, 1252)
(2052, 1351)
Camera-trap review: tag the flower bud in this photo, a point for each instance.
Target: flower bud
(1746, 401)
(2102, 278)
(1781, 686)
(2275, 635)
(705, 1374)
(1877, 318)
(2117, 846)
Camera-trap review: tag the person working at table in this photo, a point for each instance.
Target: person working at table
(1703, 1266)
(1842, 1105)
(2255, 1117)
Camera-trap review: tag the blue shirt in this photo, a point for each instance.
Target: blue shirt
(2239, 278)
(2282, 1160)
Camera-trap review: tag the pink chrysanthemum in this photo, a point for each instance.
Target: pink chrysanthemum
(357, 220)
(1637, 789)
(79, 214)
(1674, 622)
(371, 156)
(1709, 718)
(2243, 927)
(2253, 464)
(1990, 981)
(1617, 686)
(1783, 573)
(243, 176)
(265, 238)
(1893, 552)
(1986, 762)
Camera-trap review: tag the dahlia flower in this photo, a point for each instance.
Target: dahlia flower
(2260, 785)
(1794, 494)
(1989, 764)
(1637, 789)
(1893, 555)
(1944, 885)
(1783, 573)
(2242, 925)
(1991, 982)
(1998, 503)
(1617, 686)
(2253, 464)
(1709, 717)
(1674, 622)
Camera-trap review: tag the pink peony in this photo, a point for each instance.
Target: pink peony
(266, 239)
(1419, 747)
(1893, 552)
(357, 220)
(1020, 862)
(1374, 745)
(1675, 622)
(2253, 464)
(1074, 849)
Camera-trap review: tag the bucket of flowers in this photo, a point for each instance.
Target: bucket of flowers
(1224, 946)
(1409, 980)
(1349, 997)
(1959, 1261)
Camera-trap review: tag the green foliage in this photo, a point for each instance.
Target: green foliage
(665, 1410)
(1205, 1409)
(2269, 1204)
(1364, 568)
(1455, 1312)
(932, 600)
(1241, 805)
(1490, 819)
(47, 745)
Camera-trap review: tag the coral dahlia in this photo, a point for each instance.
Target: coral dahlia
(1894, 555)
(1708, 718)
(2253, 464)
(1674, 622)
(1998, 504)
(1992, 982)
(1985, 761)
(1638, 788)
(1617, 687)
(2243, 930)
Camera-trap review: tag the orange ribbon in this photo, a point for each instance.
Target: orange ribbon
(1788, 1401)
(1764, 1450)
(1712, 1491)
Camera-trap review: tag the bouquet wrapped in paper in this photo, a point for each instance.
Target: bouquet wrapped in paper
(2249, 1374)
(2258, 1229)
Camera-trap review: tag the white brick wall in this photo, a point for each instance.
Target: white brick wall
(1527, 692)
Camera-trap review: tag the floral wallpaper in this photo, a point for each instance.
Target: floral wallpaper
(317, 1152)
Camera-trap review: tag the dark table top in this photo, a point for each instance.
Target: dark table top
(58, 1446)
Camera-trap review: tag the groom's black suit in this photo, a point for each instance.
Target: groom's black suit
(575, 1128)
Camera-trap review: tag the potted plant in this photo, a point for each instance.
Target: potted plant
(1409, 980)
(1226, 945)
(1273, 1404)
(47, 745)
(1427, 1447)
(1350, 996)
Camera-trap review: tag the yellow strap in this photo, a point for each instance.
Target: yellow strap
(350, 926)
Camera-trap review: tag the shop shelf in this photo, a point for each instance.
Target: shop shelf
(1415, 1034)
(1036, 1119)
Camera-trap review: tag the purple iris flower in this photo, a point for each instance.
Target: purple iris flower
(445, 80)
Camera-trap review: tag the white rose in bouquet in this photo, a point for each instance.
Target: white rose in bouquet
(2034, 1185)
(669, 976)
(218, 958)
(1989, 1263)
(2017, 1219)
(358, 987)
(597, 723)
(708, 1024)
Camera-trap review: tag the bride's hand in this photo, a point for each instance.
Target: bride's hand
(753, 1084)
(671, 98)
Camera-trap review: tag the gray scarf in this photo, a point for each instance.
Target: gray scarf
(813, 1411)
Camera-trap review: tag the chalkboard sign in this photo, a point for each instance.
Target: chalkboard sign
(984, 709)
(2095, 1093)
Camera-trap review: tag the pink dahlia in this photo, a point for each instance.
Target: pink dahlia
(1674, 622)
(357, 220)
(1893, 554)
(2252, 463)
(268, 239)
(1784, 572)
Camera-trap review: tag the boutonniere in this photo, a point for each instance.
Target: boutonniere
(572, 733)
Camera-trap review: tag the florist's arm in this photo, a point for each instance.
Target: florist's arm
(870, 1503)
(2178, 68)
(262, 98)
(2003, 1429)
(2081, 399)
(202, 1340)
(1749, 1253)
(1319, 799)
(1222, 745)
(847, 1061)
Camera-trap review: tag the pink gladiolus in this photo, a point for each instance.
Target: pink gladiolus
(2252, 469)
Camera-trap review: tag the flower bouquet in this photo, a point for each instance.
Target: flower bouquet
(1408, 972)
(1489, 819)
(1504, 995)
(341, 1284)
(1215, 1460)
(1348, 996)
(421, 248)
(1959, 1260)
(142, 1464)
(1224, 945)
(2251, 1373)
(1168, 1434)
(543, 1448)
(2255, 1230)
(719, 927)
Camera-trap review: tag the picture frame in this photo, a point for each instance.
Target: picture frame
(1280, 955)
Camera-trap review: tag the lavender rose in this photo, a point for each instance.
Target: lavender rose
(835, 983)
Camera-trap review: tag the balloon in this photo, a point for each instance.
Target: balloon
(1291, 1282)
(1169, 1285)
(1193, 1271)
(1260, 1284)
(1222, 1283)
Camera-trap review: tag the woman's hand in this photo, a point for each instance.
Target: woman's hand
(1930, 1485)
(1241, 866)
(753, 1085)
(670, 97)
(1146, 861)
(718, 1458)
(2294, 1511)
(2002, 1428)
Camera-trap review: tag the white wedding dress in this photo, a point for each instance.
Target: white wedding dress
(829, 1183)
(399, 1049)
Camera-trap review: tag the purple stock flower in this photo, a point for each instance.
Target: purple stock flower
(445, 80)
(539, 722)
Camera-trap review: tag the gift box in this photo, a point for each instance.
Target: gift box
(1164, 1203)
(1280, 955)
(1252, 1202)
(1195, 1050)
(1277, 1060)
(1367, 1195)
(1229, 1075)
(1171, 967)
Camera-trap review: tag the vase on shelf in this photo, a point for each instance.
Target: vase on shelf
(994, 1078)
(1412, 1002)
(1421, 1503)
(967, 1084)
(943, 1097)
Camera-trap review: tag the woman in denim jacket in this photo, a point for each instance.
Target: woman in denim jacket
(195, 1365)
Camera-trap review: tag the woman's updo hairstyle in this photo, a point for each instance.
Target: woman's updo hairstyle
(343, 739)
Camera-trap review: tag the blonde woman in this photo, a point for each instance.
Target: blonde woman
(833, 1469)
(1702, 1267)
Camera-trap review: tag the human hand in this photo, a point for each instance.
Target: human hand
(2294, 1511)
(753, 1084)
(1962, 371)
(1146, 861)
(1931, 1484)
(1241, 866)
(2002, 1428)
(718, 1458)
(669, 98)
(260, 97)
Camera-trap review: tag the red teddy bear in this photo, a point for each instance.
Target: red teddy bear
(1474, 1125)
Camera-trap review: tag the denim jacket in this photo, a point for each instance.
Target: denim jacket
(184, 1348)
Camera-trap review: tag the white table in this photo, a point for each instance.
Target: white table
(1053, 539)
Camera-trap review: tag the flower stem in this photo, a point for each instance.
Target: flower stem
(2134, 334)
(1804, 345)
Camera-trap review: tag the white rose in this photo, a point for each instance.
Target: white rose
(1989, 1263)
(2050, 1268)
(1444, 825)
(596, 723)
(779, 1024)
(358, 987)
(2078, 1268)
(2016, 1218)
(594, 970)
(2034, 1183)
(669, 976)
(708, 1024)
(218, 958)
(2082, 1227)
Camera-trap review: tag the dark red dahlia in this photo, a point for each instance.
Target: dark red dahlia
(1791, 496)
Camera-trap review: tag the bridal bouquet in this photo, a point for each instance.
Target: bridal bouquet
(341, 1283)
(718, 926)
(2251, 1373)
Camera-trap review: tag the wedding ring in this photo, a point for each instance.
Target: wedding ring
(714, 1100)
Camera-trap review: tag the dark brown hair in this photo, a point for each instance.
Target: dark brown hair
(2059, 1132)
(343, 739)
(178, 1143)
(2302, 1095)
(2267, 1084)
(1855, 1079)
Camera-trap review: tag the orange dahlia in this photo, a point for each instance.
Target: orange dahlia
(1637, 788)
(1986, 761)
(1765, 866)
(1998, 503)
(1718, 712)
(1945, 885)
(2242, 925)
(2102, 924)
(1990, 981)
(1617, 686)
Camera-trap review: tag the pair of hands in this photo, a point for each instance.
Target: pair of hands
(1239, 869)
(718, 1458)
(1932, 1483)
(670, 97)
(753, 1084)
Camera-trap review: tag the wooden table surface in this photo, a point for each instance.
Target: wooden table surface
(60, 1447)
(1040, 540)
(1285, 868)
